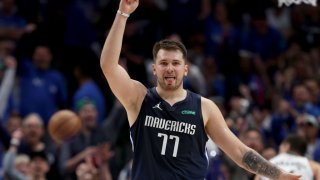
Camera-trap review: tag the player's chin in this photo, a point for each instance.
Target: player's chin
(171, 87)
(167, 86)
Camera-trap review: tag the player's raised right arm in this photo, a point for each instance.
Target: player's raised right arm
(128, 91)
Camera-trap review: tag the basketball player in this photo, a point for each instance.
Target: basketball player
(291, 159)
(168, 124)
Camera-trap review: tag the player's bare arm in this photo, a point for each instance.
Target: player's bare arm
(244, 156)
(129, 92)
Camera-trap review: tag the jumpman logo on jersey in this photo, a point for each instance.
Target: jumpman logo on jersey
(157, 106)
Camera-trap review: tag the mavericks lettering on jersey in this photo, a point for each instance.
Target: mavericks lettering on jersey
(170, 125)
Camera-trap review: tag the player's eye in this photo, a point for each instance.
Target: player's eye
(163, 63)
(176, 63)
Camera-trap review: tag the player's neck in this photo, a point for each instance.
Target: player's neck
(172, 96)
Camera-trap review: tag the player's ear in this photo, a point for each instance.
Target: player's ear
(153, 69)
(186, 69)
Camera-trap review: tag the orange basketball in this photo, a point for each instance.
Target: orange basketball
(63, 125)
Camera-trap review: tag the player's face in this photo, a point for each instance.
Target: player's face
(170, 68)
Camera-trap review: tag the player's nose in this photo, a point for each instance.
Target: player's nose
(170, 67)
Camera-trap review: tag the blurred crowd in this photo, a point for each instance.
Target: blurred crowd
(259, 63)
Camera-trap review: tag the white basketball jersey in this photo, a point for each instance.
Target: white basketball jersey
(295, 164)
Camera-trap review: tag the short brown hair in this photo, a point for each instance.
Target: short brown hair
(297, 143)
(168, 44)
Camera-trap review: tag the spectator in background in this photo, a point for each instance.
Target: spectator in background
(312, 85)
(78, 35)
(96, 167)
(42, 89)
(305, 21)
(186, 14)
(303, 65)
(39, 165)
(284, 80)
(238, 110)
(269, 152)
(16, 166)
(239, 107)
(282, 121)
(196, 51)
(253, 139)
(301, 101)
(22, 163)
(32, 141)
(8, 66)
(88, 88)
(251, 77)
(309, 128)
(291, 158)
(11, 25)
(87, 144)
(279, 18)
(7, 78)
(6, 129)
(195, 81)
(215, 81)
(36, 169)
(260, 118)
(33, 132)
(14, 122)
(263, 40)
(79, 31)
(221, 37)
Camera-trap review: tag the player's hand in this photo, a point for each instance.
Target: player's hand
(289, 176)
(128, 6)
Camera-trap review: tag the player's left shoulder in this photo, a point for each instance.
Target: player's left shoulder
(207, 103)
(208, 108)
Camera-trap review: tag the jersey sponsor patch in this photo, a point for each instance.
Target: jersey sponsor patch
(188, 112)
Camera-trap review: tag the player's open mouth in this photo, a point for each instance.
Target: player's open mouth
(169, 78)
